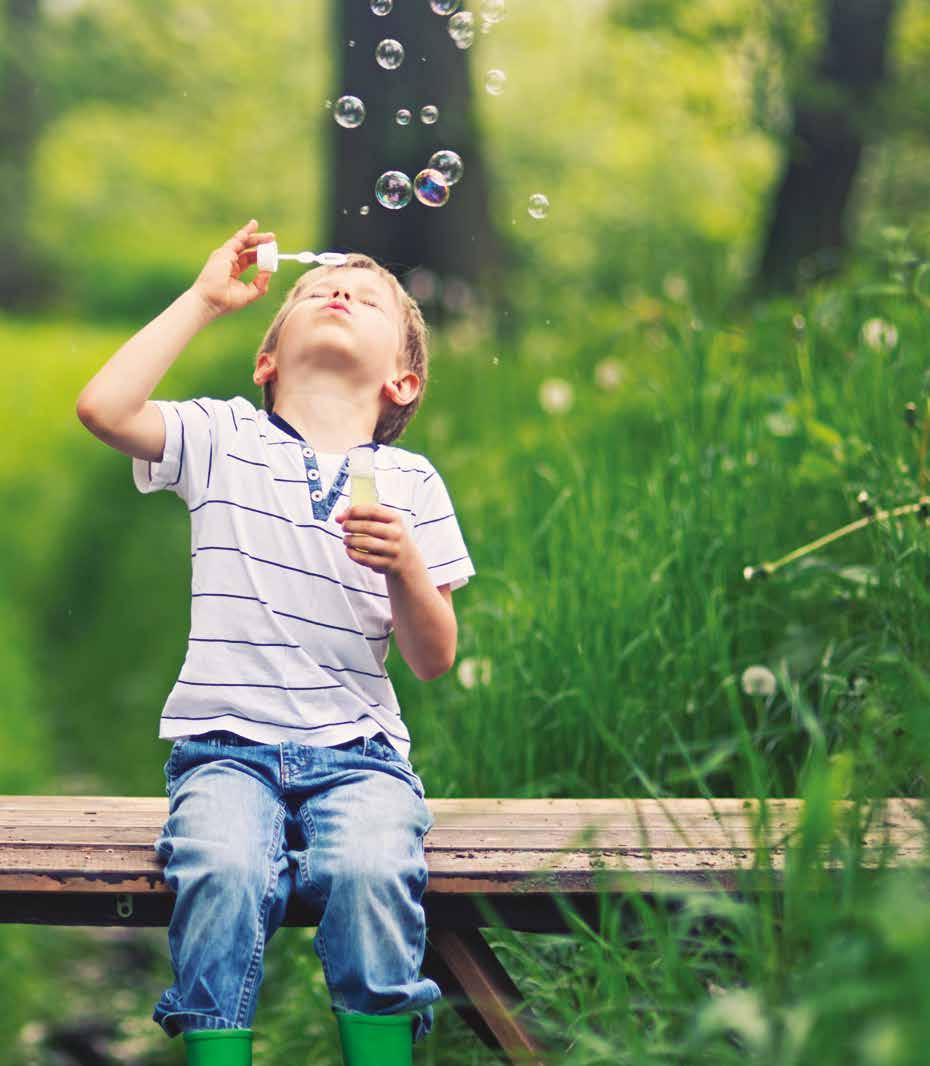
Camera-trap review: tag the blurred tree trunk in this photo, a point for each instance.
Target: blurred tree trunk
(806, 234)
(20, 280)
(456, 241)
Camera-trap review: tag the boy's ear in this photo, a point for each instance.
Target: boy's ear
(403, 390)
(264, 369)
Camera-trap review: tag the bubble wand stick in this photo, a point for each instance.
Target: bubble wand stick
(268, 257)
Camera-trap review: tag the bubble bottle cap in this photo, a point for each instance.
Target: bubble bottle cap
(267, 256)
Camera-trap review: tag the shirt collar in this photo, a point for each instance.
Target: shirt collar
(281, 423)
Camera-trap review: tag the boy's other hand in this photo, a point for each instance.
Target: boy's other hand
(218, 284)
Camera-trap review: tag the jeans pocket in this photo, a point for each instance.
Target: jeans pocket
(171, 766)
(384, 751)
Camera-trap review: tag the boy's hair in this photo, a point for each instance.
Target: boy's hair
(415, 356)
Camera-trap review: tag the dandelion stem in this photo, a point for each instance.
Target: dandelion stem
(906, 508)
(922, 477)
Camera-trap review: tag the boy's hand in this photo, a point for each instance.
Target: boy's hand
(218, 283)
(381, 532)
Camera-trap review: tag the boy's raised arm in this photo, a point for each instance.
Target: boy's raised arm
(120, 389)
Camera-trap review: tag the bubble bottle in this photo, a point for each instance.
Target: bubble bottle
(362, 479)
(268, 257)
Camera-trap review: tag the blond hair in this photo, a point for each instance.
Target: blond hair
(415, 357)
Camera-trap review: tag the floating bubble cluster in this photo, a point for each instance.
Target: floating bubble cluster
(349, 111)
(389, 53)
(448, 163)
(393, 190)
(462, 28)
(538, 206)
(430, 188)
(494, 82)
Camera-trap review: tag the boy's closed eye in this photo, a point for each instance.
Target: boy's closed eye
(371, 303)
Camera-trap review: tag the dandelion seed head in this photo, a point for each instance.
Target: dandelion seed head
(738, 1009)
(556, 396)
(675, 287)
(473, 671)
(608, 373)
(879, 335)
(758, 681)
(781, 424)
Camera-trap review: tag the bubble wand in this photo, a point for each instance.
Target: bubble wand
(268, 257)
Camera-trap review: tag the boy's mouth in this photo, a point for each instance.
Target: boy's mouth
(336, 305)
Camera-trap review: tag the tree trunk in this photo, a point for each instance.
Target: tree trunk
(807, 236)
(454, 242)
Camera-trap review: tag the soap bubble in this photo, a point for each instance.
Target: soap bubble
(448, 163)
(403, 117)
(431, 188)
(349, 111)
(381, 7)
(462, 28)
(494, 82)
(364, 209)
(389, 53)
(539, 205)
(328, 104)
(444, 7)
(429, 114)
(393, 189)
(492, 10)
(351, 44)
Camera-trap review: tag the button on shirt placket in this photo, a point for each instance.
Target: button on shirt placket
(322, 508)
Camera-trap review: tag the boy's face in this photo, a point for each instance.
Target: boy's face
(363, 344)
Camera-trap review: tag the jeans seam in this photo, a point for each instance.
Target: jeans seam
(306, 817)
(325, 961)
(270, 888)
(303, 812)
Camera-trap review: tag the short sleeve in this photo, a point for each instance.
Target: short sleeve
(187, 463)
(437, 534)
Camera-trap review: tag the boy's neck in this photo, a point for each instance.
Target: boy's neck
(331, 440)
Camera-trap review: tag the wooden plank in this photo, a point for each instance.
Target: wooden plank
(466, 841)
(490, 871)
(565, 816)
(490, 847)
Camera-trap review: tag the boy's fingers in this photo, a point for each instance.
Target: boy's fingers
(238, 239)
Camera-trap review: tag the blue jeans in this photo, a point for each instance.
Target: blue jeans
(342, 826)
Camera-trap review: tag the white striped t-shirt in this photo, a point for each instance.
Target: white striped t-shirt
(288, 636)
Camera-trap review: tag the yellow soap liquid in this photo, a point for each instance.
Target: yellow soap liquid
(362, 490)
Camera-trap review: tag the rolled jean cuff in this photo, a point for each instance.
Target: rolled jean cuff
(176, 1022)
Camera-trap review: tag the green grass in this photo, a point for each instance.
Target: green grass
(601, 643)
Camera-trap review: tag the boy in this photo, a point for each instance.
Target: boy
(289, 764)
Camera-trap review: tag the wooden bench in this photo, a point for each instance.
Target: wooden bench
(515, 863)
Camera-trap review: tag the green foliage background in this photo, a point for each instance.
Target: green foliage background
(609, 607)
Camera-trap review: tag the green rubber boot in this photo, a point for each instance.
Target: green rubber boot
(218, 1047)
(376, 1039)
